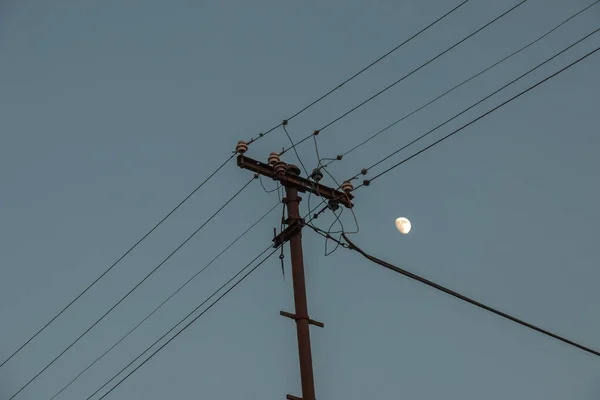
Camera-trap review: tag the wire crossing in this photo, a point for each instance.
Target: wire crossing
(465, 298)
(133, 289)
(166, 300)
(188, 324)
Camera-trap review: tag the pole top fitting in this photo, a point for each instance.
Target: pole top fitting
(273, 158)
(347, 186)
(241, 147)
(316, 175)
(280, 168)
(293, 169)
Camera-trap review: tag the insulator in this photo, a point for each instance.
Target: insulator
(316, 175)
(293, 169)
(347, 186)
(241, 147)
(280, 168)
(273, 158)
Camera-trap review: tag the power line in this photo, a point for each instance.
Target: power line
(167, 299)
(359, 72)
(134, 288)
(479, 102)
(217, 170)
(405, 76)
(116, 262)
(465, 298)
(481, 116)
(460, 84)
(188, 324)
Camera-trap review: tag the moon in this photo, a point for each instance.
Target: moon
(403, 225)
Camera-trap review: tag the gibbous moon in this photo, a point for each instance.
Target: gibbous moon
(403, 225)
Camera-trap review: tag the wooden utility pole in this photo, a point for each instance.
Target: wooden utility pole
(289, 176)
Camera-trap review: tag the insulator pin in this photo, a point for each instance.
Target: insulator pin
(293, 169)
(273, 158)
(280, 168)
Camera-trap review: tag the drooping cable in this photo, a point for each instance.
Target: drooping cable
(115, 263)
(133, 289)
(353, 109)
(465, 298)
(481, 116)
(360, 72)
(183, 320)
(167, 299)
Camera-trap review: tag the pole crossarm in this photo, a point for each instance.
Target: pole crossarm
(288, 178)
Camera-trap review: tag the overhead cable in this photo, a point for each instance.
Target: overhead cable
(331, 160)
(133, 289)
(183, 320)
(166, 300)
(480, 117)
(404, 77)
(263, 134)
(467, 299)
(116, 262)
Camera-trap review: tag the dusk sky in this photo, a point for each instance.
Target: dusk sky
(112, 112)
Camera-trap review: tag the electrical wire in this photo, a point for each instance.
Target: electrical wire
(479, 102)
(167, 299)
(465, 298)
(263, 134)
(115, 263)
(481, 116)
(210, 176)
(406, 76)
(183, 320)
(134, 288)
(277, 188)
(331, 160)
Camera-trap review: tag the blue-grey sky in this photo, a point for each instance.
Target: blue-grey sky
(112, 111)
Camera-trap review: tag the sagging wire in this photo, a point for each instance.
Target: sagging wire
(265, 189)
(338, 187)
(281, 255)
(327, 236)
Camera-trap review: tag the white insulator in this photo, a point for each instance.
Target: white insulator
(273, 158)
(241, 147)
(347, 186)
(280, 168)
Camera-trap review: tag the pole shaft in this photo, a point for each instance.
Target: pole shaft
(302, 320)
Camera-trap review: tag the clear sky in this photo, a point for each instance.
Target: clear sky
(113, 111)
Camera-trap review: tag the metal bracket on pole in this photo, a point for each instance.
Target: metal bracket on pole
(290, 397)
(293, 316)
(294, 228)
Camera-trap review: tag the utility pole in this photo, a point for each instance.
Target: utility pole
(289, 176)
